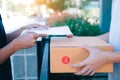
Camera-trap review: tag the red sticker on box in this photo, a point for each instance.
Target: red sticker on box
(65, 60)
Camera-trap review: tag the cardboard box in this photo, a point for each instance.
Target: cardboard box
(65, 51)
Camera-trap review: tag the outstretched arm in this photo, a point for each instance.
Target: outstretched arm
(25, 40)
(97, 58)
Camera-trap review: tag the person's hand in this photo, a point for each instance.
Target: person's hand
(27, 39)
(69, 36)
(97, 58)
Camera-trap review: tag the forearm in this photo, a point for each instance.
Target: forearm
(112, 57)
(116, 57)
(8, 50)
(14, 34)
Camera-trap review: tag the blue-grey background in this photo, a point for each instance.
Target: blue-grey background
(24, 64)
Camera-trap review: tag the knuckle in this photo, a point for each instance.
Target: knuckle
(82, 72)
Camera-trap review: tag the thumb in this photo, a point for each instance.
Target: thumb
(79, 65)
(87, 48)
(42, 35)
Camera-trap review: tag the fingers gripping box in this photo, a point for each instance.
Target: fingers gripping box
(66, 51)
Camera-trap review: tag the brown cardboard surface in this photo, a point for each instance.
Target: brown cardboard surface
(65, 51)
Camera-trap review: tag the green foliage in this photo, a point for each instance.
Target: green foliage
(91, 13)
(79, 26)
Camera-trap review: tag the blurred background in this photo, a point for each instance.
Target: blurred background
(84, 18)
(49, 11)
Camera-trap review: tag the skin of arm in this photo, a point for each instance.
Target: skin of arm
(17, 41)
